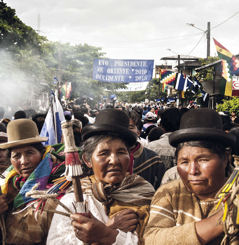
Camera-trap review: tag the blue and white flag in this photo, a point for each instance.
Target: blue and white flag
(179, 85)
(204, 95)
(189, 83)
(182, 83)
(52, 125)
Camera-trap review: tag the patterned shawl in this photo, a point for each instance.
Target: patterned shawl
(42, 174)
(133, 193)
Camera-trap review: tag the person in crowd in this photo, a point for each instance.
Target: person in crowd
(150, 122)
(31, 163)
(145, 110)
(2, 112)
(5, 121)
(170, 120)
(20, 114)
(233, 116)
(39, 119)
(85, 109)
(139, 110)
(183, 211)
(119, 107)
(108, 106)
(226, 121)
(117, 202)
(4, 158)
(155, 133)
(80, 116)
(159, 114)
(94, 112)
(146, 162)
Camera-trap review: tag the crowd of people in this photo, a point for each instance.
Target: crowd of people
(151, 174)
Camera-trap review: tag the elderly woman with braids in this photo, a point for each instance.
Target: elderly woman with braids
(117, 202)
(183, 211)
(31, 163)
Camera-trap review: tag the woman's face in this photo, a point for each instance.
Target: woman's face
(25, 159)
(110, 161)
(201, 171)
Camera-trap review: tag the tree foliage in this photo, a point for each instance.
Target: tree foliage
(14, 34)
(43, 60)
(206, 74)
(131, 97)
(229, 105)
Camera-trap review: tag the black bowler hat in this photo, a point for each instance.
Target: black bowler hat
(110, 121)
(201, 124)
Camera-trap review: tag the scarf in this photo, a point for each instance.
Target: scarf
(134, 193)
(41, 175)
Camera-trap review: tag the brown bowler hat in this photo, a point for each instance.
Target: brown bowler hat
(22, 132)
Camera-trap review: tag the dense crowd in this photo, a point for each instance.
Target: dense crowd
(149, 173)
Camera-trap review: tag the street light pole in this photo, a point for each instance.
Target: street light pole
(179, 68)
(208, 38)
(207, 32)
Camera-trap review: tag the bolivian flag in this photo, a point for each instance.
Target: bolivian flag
(226, 57)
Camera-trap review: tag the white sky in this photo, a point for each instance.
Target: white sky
(135, 29)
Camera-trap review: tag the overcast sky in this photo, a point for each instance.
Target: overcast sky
(135, 29)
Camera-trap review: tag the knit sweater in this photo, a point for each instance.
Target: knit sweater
(173, 213)
(165, 151)
(148, 165)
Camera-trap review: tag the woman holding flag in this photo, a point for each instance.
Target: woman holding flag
(116, 203)
(32, 164)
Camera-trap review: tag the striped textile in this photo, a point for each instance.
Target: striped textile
(40, 175)
(173, 214)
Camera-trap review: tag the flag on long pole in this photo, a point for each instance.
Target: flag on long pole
(52, 125)
(182, 83)
(66, 90)
(167, 77)
(226, 57)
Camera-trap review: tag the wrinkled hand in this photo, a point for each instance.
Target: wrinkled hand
(3, 204)
(90, 230)
(125, 220)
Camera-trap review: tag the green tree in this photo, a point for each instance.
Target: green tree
(75, 64)
(154, 90)
(229, 105)
(131, 97)
(206, 74)
(43, 60)
(14, 34)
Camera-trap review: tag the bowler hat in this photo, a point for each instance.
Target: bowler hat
(110, 121)
(22, 132)
(3, 137)
(201, 124)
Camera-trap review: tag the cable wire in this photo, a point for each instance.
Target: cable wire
(225, 20)
(196, 44)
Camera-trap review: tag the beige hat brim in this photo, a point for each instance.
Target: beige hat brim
(28, 141)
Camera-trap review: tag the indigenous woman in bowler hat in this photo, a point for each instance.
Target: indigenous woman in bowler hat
(31, 163)
(183, 211)
(117, 202)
